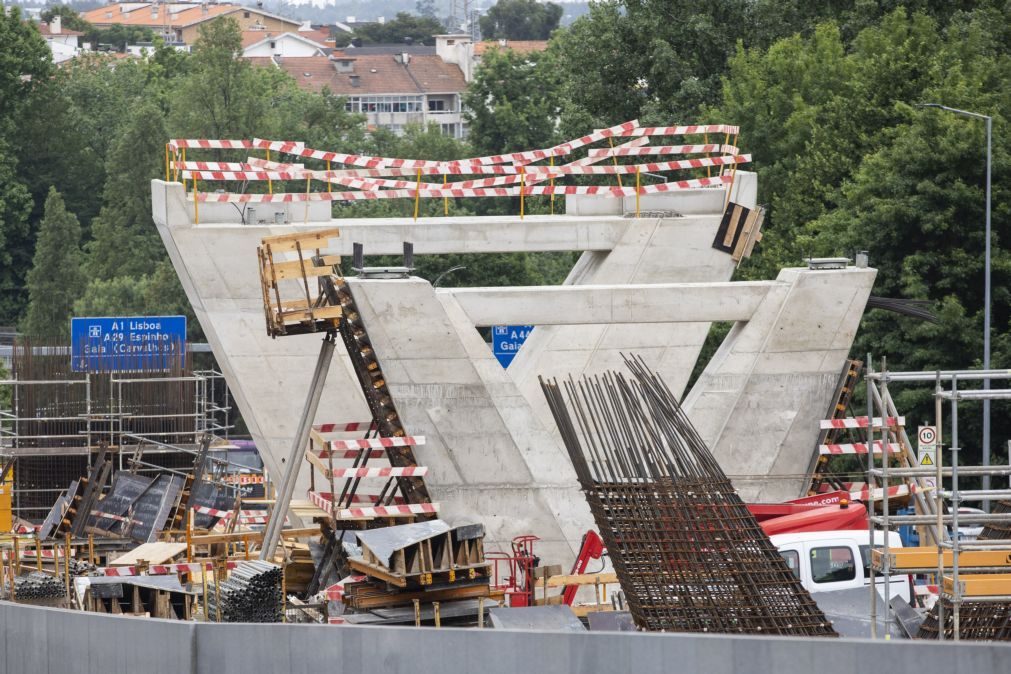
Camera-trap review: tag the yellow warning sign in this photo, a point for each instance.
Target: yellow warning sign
(926, 460)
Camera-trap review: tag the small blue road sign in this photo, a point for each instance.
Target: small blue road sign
(506, 341)
(127, 344)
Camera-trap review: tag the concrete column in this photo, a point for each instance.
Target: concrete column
(759, 400)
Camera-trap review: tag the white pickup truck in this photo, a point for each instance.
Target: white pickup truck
(838, 560)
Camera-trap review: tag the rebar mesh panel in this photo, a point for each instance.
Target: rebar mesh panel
(978, 621)
(997, 530)
(689, 555)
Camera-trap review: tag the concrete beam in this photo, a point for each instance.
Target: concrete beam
(612, 304)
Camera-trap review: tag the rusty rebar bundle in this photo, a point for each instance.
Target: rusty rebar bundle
(688, 553)
(978, 621)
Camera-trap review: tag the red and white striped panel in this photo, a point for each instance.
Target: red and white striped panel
(160, 569)
(682, 130)
(371, 443)
(244, 515)
(116, 518)
(878, 494)
(858, 448)
(336, 591)
(352, 454)
(345, 427)
(46, 554)
(387, 471)
(860, 422)
(204, 144)
(325, 501)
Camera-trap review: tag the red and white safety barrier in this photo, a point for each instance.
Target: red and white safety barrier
(387, 471)
(451, 192)
(352, 454)
(858, 448)
(204, 144)
(325, 502)
(160, 569)
(861, 422)
(346, 427)
(877, 494)
(372, 443)
(243, 514)
(336, 591)
(244, 478)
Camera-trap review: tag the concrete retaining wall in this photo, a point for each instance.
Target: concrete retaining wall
(44, 641)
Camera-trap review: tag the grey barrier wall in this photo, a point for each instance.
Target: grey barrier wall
(52, 641)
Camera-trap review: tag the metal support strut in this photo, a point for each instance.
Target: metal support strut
(272, 534)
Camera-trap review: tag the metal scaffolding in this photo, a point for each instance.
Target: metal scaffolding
(983, 600)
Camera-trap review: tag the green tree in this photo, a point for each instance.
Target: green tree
(56, 277)
(15, 237)
(405, 27)
(520, 20)
(513, 103)
(125, 241)
(25, 65)
(69, 17)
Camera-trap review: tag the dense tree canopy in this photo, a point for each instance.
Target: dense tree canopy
(520, 20)
(404, 28)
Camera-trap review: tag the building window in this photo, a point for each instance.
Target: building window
(832, 565)
(273, 44)
(245, 15)
(792, 558)
(436, 106)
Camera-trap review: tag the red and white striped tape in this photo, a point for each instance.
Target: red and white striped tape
(325, 501)
(160, 569)
(858, 448)
(517, 173)
(450, 192)
(244, 515)
(681, 130)
(659, 149)
(345, 427)
(352, 454)
(387, 471)
(204, 144)
(878, 494)
(860, 422)
(372, 443)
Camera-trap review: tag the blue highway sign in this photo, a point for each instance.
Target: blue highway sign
(506, 341)
(127, 344)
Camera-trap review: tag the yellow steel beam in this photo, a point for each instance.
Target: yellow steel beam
(980, 585)
(903, 559)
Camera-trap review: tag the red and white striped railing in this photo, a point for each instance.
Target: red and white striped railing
(861, 422)
(325, 502)
(858, 448)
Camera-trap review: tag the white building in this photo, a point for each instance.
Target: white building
(63, 43)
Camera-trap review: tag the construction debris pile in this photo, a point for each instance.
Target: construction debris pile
(425, 561)
(689, 555)
(251, 594)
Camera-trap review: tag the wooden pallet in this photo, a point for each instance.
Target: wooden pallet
(292, 303)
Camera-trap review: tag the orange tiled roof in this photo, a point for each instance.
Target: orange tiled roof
(44, 29)
(143, 16)
(377, 74)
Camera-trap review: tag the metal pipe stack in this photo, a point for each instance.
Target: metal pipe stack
(37, 585)
(689, 555)
(251, 594)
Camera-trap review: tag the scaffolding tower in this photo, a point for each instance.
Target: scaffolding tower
(968, 573)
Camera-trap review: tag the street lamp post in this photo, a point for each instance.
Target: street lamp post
(986, 292)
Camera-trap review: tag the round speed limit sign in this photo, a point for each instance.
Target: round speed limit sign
(927, 435)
